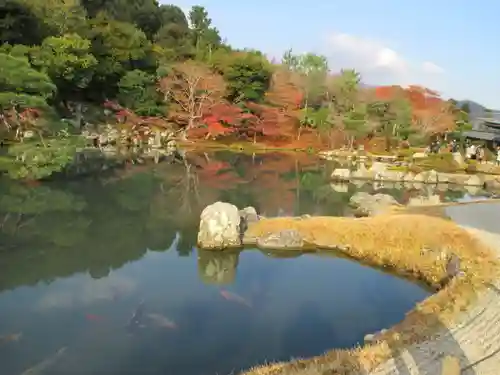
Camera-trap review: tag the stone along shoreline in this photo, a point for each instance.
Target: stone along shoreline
(381, 172)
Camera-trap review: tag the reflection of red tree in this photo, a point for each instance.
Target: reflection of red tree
(273, 190)
(217, 175)
(264, 177)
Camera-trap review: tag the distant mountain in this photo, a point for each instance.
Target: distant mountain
(476, 109)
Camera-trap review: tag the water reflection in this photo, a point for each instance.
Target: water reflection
(77, 258)
(97, 225)
(267, 308)
(217, 268)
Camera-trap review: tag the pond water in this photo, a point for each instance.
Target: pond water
(79, 258)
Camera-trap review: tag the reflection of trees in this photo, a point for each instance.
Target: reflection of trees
(274, 183)
(47, 232)
(319, 196)
(216, 267)
(21, 205)
(86, 225)
(54, 230)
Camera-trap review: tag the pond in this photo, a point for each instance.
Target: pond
(107, 267)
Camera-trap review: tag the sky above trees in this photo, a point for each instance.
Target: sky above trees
(447, 48)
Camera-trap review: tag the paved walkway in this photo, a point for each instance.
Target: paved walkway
(475, 340)
(483, 216)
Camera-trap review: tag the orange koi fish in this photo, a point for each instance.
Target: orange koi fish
(235, 298)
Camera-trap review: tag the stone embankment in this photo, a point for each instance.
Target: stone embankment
(456, 329)
(382, 172)
(342, 154)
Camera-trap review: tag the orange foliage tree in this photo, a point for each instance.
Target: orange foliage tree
(431, 114)
(194, 89)
(285, 96)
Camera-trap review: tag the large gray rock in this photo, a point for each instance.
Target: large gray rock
(474, 180)
(493, 184)
(219, 226)
(431, 200)
(285, 239)
(372, 205)
(249, 214)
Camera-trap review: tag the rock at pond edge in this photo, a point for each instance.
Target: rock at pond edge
(372, 205)
(219, 226)
(284, 239)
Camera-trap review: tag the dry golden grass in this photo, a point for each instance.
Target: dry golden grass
(414, 244)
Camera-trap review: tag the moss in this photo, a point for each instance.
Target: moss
(409, 243)
(440, 162)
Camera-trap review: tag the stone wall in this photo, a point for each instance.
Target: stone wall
(381, 172)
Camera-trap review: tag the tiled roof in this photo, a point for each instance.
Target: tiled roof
(486, 136)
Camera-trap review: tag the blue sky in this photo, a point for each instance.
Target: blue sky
(449, 46)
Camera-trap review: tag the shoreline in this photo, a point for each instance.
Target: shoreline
(446, 322)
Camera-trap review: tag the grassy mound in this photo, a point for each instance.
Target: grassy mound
(413, 244)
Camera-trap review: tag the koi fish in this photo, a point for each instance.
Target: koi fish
(12, 337)
(235, 298)
(41, 367)
(135, 320)
(162, 321)
(95, 318)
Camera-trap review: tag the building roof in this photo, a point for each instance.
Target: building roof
(485, 136)
(490, 121)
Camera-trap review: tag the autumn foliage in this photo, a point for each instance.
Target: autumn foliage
(193, 90)
(430, 113)
(199, 104)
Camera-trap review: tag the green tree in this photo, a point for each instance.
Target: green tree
(67, 61)
(137, 91)
(40, 157)
(60, 16)
(349, 110)
(382, 114)
(118, 47)
(248, 75)
(205, 37)
(21, 86)
(93, 7)
(19, 24)
(174, 35)
(355, 123)
(312, 70)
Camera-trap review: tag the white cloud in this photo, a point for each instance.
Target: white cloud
(380, 64)
(71, 293)
(430, 67)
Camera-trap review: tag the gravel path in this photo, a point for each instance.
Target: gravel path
(474, 340)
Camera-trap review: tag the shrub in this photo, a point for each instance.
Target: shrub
(441, 162)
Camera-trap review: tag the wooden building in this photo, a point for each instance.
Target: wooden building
(485, 130)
